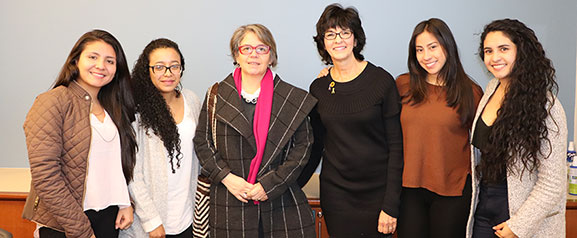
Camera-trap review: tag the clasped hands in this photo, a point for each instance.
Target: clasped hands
(243, 190)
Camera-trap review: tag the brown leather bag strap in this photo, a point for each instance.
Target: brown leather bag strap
(211, 110)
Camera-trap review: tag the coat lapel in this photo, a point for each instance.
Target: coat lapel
(229, 109)
(290, 106)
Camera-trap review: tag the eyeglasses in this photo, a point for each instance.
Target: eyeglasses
(161, 69)
(343, 34)
(260, 49)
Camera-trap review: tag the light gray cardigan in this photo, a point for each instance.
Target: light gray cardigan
(148, 188)
(536, 200)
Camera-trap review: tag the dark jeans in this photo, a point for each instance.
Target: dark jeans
(185, 234)
(426, 214)
(102, 223)
(492, 209)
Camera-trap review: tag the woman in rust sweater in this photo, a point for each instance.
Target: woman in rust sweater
(439, 102)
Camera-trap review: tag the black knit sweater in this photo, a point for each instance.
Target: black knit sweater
(358, 134)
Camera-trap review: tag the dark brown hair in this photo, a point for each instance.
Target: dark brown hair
(458, 85)
(335, 15)
(115, 97)
(520, 127)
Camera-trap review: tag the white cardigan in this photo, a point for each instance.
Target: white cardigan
(148, 188)
(536, 200)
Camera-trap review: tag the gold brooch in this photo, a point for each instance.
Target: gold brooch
(332, 87)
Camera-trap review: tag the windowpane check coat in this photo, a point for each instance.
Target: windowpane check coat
(286, 213)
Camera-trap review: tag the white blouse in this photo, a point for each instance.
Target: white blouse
(105, 183)
(180, 198)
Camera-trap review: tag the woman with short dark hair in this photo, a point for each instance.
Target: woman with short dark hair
(357, 132)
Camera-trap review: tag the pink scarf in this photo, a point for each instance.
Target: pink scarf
(261, 118)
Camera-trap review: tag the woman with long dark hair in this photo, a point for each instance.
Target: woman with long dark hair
(357, 132)
(519, 140)
(439, 102)
(81, 145)
(166, 165)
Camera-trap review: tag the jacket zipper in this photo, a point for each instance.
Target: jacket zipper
(87, 160)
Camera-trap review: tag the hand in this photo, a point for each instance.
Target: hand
(257, 193)
(157, 233)
(124, 218)
(387, 224)
(324, 72)
(93, 236)
(503, 231)
(237, 186)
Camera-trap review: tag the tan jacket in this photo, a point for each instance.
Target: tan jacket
(58, 136)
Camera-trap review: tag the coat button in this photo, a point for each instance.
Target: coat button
(87, 97)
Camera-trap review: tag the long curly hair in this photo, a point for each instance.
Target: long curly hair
(520, 128)
(115, 97)
(150, 104)
(458, 85)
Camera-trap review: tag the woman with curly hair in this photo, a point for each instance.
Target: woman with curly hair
(519, 140)
(439, 102)
(166, 165)
(81, 144)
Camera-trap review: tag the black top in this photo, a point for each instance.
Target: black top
(249, 110)
(481, 135)
(358, 134)
(481, 142)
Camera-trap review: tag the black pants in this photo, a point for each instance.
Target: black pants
(492, 209)
(426, 214)
(102, 223)
(185, 234)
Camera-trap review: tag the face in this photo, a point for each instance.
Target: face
(96, 65)
(500, 54)
(339, 49)
(253, 63)
(165, 79)
(430, 53)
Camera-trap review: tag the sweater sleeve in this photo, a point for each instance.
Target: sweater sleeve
(139, 191)
(43, 129)
(549, 189)
(210, 159)
(393, 133)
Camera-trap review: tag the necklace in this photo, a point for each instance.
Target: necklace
(104, 135)
(251, 98)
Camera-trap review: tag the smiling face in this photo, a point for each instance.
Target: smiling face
(253, 64)
(165, 80)
(340, 49)
(96, 66)
(500, 54)
(430, 54)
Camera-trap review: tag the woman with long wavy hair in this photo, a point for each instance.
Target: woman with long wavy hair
(166, 165)
(439, 102)
(81, 144)
(519, 140)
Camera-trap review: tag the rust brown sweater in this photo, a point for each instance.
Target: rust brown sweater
(436, 146)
